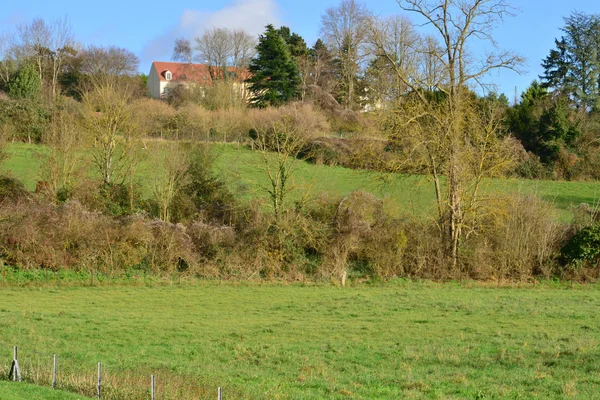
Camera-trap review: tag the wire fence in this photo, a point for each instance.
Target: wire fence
(98, 380)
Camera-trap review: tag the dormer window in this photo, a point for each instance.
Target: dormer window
(168, 75)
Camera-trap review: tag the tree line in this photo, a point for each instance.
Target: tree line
(414, 102)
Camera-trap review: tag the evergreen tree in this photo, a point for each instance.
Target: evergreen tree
(543, 123)
(26, 84)
(275, 78)
(556, 68)
(573, 68)
(295, 42)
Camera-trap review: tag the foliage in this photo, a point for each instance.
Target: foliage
(584, 246)
(24, 119)
(11, 189)
(546, 125)
(26, 84)
(274, 79)
(573, 68)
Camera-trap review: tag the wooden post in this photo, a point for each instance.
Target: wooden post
(99, 379)
(15, 372)
(15, 361)
(54, 373)
(220, 394)
(152, 387)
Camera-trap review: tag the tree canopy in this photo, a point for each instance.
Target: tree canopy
(275, 79)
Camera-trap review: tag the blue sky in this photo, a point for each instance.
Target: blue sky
(148, 28)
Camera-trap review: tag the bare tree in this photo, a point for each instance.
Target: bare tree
(345, 32)
(445, 126)
(215, 48)
(32, 43)
(61, 44)
(109, 61)
(243, 48)
(395, 44)
(109, 127)
(172, 163)
(62, 162)
(219, 48)
(7, 64)
(432, 72)
(182, 51)
(279, 141)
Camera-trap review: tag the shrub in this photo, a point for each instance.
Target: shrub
(152, 117)
(518, 238)
(367, 237)
(11, 189)
(583, 247)
(26, 84)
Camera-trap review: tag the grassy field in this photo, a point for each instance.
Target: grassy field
(398, 340)
(23, 391)
(241, 168)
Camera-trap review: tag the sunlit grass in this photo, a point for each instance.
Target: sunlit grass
(398, 340)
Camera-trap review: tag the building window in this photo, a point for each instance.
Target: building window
(168, 75)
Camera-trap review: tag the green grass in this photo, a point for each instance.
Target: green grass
(268, 341)
(24, 391)
(242, 169)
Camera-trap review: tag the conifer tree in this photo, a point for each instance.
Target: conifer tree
(275, 79)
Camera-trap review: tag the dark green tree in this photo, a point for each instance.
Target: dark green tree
(544, 124)
(26, 84)
(573, 68)
(295, 42)
(275, 79)
(556, 68)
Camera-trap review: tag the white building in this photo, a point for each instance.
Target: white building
(164, 76)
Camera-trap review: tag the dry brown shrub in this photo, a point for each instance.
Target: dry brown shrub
(209, 239)
(230, 125)
(519, 239)
(307, 121)
(171, 248)
(37, 234)
(424, 252)
(152, 117)
(365, 234)
(191, 122)
(341, 119)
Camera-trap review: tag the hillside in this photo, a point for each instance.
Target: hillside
(242, 169)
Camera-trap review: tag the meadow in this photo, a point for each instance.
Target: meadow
(24, 391)
(242, 169)
(413, 340)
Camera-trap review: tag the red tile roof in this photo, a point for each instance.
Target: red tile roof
(199, 73)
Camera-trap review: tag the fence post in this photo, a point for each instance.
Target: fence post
(15, 372)
(220, 394)
(152, 386)
(54, 373)
(99, 379)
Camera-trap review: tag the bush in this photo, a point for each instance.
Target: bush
(152, 117)
(519, 238)
(583, 247)
(11, 189)
(26, 84)
(365, 237)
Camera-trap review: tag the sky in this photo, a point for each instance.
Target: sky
(149, 28)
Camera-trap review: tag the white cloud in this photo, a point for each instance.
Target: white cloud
(249, 15)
